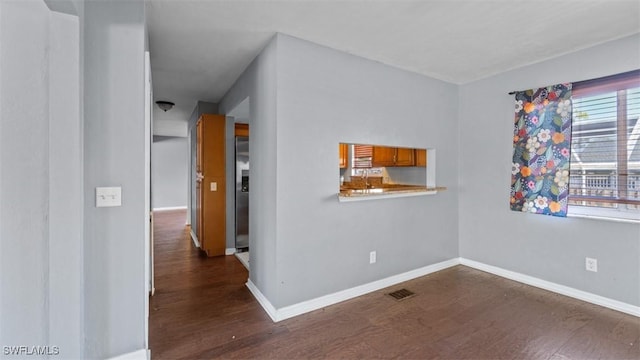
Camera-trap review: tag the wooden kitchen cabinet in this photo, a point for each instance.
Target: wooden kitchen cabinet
(210, 184)
(421, 157)
(383, 156)
(392, 156)
(344, 155)
(405, 157)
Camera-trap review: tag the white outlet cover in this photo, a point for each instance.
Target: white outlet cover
(372, 257)
(591, 264)
(108, 196)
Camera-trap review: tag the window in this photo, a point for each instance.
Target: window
(605, 147)
(363, 161)
(362, 155)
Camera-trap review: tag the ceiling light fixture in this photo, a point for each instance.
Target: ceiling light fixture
(165, 105)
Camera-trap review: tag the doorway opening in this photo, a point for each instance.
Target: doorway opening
(241, 179)
(242, 193)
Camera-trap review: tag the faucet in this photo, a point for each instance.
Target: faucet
(365, 178)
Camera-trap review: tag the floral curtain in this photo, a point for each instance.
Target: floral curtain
(541, 150)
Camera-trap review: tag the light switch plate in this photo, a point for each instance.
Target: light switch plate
(108, 196)
(214, 186)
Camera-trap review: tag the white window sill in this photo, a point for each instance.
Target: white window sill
(384, 195)
(604, 214)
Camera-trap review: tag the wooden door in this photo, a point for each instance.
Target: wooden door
(199, 134)
(213, 184)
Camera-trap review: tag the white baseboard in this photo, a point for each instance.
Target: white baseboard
(230, 251)
(195, 239)
(323, 301)
(170, 208)
(327, 300)
(263, 301)
(557, 288)
(142, 354)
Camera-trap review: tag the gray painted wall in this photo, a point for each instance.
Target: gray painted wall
(66, 244)
(305, 99)
(41, 298)
(24, 176)
(114, 40)
(549, 248)
(169, 172)
(326, 97)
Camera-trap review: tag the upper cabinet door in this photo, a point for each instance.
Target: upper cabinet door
(421, 157)
(392, 156)
(383, 156)
(404, 157)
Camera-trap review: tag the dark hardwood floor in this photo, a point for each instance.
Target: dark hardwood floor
(203, 310)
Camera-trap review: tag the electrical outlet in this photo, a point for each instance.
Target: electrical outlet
(591, 264)
(372, 257)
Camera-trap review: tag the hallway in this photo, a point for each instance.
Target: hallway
(202, 310)
(200, 303)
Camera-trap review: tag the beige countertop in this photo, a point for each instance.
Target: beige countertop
(387, 190)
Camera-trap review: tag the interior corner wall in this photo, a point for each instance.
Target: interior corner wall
(326, 97)
(114, 154)
(169, 172)
(544, 247)
(66, 297)
(258, 82)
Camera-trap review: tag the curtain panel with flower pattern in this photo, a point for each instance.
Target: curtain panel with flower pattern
(541, 150)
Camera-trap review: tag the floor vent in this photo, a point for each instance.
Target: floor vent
(401, 294)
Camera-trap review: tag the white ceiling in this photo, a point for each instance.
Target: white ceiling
(199, 48)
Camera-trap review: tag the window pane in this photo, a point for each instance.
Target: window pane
(594, 148)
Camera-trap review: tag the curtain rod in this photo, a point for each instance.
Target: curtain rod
(632, 73)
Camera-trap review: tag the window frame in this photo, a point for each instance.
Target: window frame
(620, 84)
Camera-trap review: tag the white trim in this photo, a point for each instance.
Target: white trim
(388, 195)
(604, 218)
(142, 354)
(243, 257)
(230, 251)
(327, 300)
(194, 238)
(557, 288)
(314, 304)
(263, 301)
(596, 213)
(169, 208)
(148, 230)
